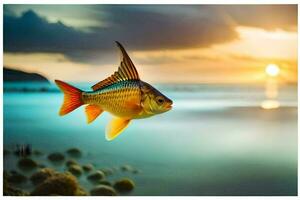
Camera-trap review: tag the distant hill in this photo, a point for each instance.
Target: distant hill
(12, 75)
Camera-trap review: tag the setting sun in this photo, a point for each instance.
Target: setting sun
(272, 70)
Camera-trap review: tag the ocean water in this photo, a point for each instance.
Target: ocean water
(217, 140)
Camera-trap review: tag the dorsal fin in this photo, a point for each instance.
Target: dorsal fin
(126, 71)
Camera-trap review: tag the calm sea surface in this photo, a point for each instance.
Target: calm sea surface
(217, 140)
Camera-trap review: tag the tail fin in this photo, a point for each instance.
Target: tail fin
(72, 98)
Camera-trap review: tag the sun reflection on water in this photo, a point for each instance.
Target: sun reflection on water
(271, 87)
(270, 104)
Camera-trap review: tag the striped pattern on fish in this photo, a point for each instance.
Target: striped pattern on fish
(116, 98)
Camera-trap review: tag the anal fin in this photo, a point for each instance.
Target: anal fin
(92, 112)
(115, 128)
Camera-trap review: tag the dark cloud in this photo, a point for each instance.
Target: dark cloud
(145, 29)
(141, 27)
(32, 33)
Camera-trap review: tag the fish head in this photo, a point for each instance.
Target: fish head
(153, 101)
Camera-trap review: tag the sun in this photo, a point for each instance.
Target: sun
(272, 70)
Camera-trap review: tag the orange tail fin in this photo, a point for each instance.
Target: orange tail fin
(72, 98)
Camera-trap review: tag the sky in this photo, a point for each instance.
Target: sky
(167, 43)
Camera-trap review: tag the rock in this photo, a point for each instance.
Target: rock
(56, 157)
(136, 171)
(74, 152)
(104, 182)
(124, 185)
(103, 190)
(107, 171)
(9, 190)
(71, 162)
(81, 192)
(88, 167)
(126, 168)
(75, 170)
(16, 178)
(27, 164)
(96, 176)
(41, 175)
(37, 152)
(63, 184)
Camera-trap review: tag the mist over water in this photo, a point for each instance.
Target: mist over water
(216, 140)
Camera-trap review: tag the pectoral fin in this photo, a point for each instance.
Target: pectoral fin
(92, 112)
(133, 106)
(115, 127)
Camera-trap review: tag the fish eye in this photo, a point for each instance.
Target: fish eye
(160, 100)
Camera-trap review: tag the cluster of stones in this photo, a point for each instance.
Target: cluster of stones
(47, 181)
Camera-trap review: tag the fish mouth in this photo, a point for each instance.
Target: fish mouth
(169, 107)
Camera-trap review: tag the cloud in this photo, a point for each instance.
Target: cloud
(141, 27)
(269, 17)
(32, 33)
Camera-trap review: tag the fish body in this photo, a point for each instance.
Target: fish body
(122, 94)
(121, 99)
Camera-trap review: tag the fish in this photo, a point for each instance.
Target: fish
(123, 94)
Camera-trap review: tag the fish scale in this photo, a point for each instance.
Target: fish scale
(115, 98)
